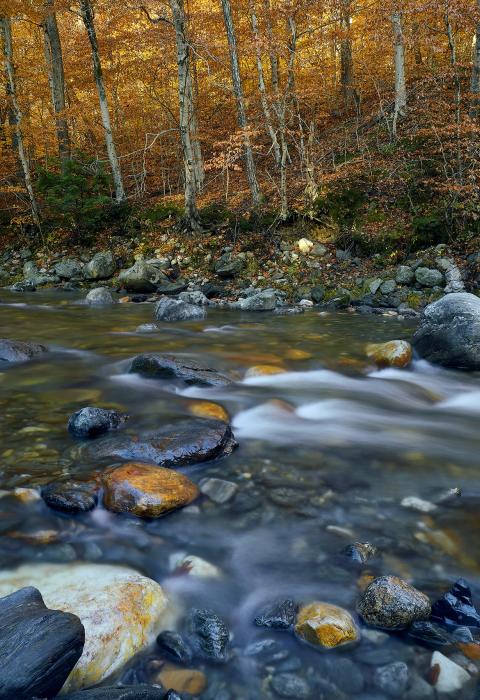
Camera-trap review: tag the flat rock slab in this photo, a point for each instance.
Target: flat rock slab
(18, 351)
(38, 647)
(175, 445)
(170, 367)
(120, 609)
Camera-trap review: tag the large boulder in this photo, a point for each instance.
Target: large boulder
(69, 269)
(176, 445)
(100, 296)
(38, 647)
(101, 266)
(261, 301)
(141, 277)
(18, 351)
(168, 309)
(146, 491)
(120, 609)
(449, 332)
(33, 274)
(170, 367)
(429, 277)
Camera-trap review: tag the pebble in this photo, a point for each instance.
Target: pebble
(218, 490)
(280, 615)
(360, 552)
(208, 635)
(326, 625)
(183, 563)
(174, 647)
(289, 685)
(182, 680)
(392, 679)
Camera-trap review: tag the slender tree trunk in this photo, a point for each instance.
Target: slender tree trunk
(6, 32)
(241, 114)
(261, 85)
(53, 53)
(284, 209)
(475, 81)
(88, 20)
(274, 69)
(186, 116)
(399, 62)
(458, 89)
(346, 58)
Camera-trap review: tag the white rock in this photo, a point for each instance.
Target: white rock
(193, 566)
(304, 245)
(451, 677)
(121, 610)
(305, 302)
(419, 504)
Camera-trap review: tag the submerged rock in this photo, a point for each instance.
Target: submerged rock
(448, 677)
(132, 692)
(38, 647)
(391, 603)
(182, 680)
(175, 445)
(171, 367)
(146, 491)
(392, 679)
(280, 615)
(289, 685)
(360, 552)
(101, 266)
(173, 646)
(395, 353)
(70, 496)
(449, 332)
(183, 563)
(24, 286)
(326, 625)
(120, 609)
(169, 310)
(431, 635)
(18, 351)
(208, 635)
(456, 607)
(100, 296)
(218, 490)
(91, 421)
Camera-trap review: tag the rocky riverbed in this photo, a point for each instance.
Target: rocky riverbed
(236, 506)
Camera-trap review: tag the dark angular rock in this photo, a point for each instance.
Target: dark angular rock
(456, 607)
(24, 286)
(289, 685)
(449, 332)
(168, 309)
(431, 635)
(91, 421)
(38, 647)
(170, 367)
(70, 496)
(280, 615)
(212, 290)
(134, 692)
(175, 445)
(174, 647)
(171, 288)
(172, 695)
(228, 266)
(18, 351)
(360, 552)
(209, 635)
(317, 293)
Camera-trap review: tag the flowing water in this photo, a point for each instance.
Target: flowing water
(327, 451)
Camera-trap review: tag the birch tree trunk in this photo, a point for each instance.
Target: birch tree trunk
(241, 114)
(458, 89)
(53, 53)
(261, 85)
(282, 118)
(187, 118)
(475, 81)
(399, 62)
(88, 20)
(6, 32)
(346, 58)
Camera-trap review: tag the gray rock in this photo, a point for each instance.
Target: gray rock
(126, 692)
(449, 332)
(342, 255)
(33, 274)
(289, 685)
(259, 301)
(218, 490)
(24, 286)
(171, 367)
(18, 351)
(174, 647)
(141, 277)
(38, 647)
(374, 285)
(197, 298)
(70, 496)
(392, 679)
(100, 296)
(172, 288)
(68, 269)
(347, 676)
(419, 690)
(389, 602)
(280, 615)
(147, 328)
(229, 266)
(405, 275)
(91, 421)
(429, 277)
(170, 310)
(208, 635)
(101, 266)
(318, 250)
(388, 287)
(317, 293)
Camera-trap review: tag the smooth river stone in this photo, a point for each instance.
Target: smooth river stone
(395, 353)
(389, 602)
(326, 625)
(18, 351)
(121, 610)
(146, 491)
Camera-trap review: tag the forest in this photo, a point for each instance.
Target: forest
(359, 113)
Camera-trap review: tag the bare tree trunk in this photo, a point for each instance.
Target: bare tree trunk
(399, 61)
(6, 31)
(261, 85)
(53, 53)
(458, 89)
(88, 20)
(241, 114)
(186, 116)
(346, 59)
(282, 118)
(475, 81)
(275, 73)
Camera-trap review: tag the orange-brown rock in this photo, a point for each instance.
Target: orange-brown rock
(208, 409)
(182, 680)
(395, 353)
(263, 370)
(326, 625)
(146, 491)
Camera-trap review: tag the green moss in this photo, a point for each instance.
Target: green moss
(162, 212)
(414, 300)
